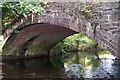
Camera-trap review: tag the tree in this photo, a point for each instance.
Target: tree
(14, 11)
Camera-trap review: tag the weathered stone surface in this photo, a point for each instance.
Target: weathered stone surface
(36, 38)
(59, 14)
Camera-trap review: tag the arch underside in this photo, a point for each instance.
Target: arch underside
(35, 39)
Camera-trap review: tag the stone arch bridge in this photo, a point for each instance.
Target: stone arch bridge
(42, 32)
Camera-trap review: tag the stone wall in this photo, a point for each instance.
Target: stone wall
(107, 33)
(108, 36)
(119, 31)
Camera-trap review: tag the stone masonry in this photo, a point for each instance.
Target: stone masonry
(107, 33)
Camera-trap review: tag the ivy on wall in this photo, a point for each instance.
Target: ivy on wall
(14, 11)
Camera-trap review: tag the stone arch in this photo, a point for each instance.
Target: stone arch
(14, 43)
(46, 19)
(65, 21)
(36, 37)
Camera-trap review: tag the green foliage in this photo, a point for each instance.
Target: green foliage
(13, 11)
(76, 42)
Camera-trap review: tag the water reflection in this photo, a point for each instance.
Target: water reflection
(35, 68)
(87, 65)
(69, 65)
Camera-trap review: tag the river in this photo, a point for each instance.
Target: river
(72, 65)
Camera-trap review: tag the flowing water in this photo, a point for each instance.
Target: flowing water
(68, 66)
